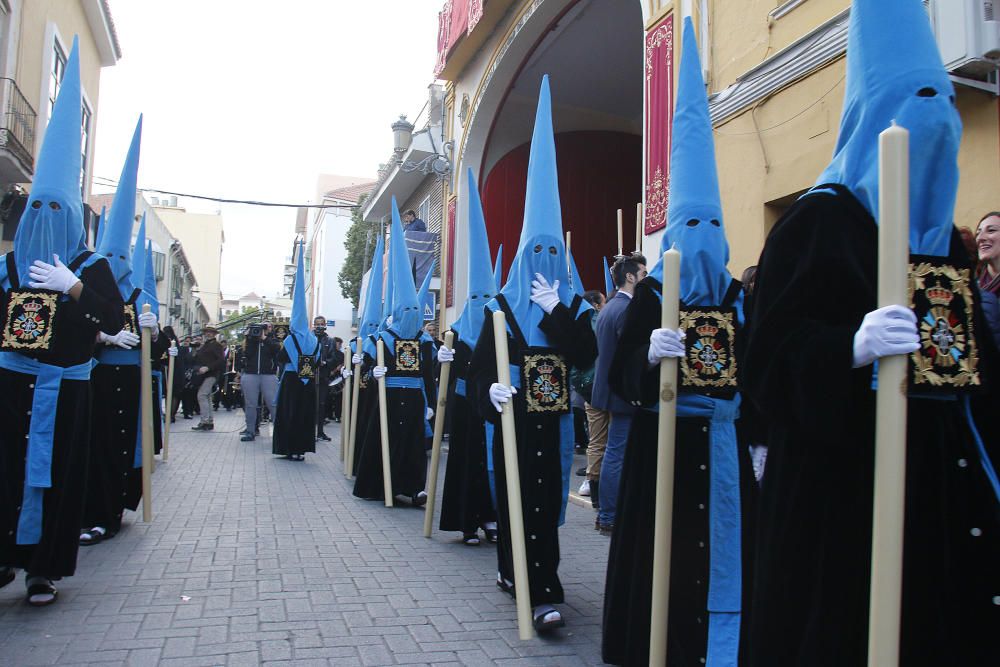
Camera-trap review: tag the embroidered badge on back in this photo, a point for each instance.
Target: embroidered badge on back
(709, 364)
(408, 356)
(941, 298)
(307, 367)
(131, 320)
(30, 319)
(546, 377)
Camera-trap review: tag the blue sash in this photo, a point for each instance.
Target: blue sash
(38, 463)
(117, 356)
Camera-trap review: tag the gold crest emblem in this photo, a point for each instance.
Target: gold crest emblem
(30, 321)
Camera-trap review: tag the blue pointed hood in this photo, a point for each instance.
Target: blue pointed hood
(299, 326)
(425, 289)
(117, 228)
(407, 319)
(541, 248)
(52, 222)
(101, 221)
(694, 210)
(574, 274)
(148, 294)
(138, 274)
(894, 72)
(482, 283)
(498, 268)
(372, 314)
(609, 282)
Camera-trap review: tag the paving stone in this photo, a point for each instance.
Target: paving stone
(256, 560)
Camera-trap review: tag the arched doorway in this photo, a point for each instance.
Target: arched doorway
(593, 53)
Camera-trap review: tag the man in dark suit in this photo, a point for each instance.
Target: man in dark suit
(626, 272)
(326, 365)
(411, 223)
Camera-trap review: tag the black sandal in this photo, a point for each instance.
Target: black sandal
(419, 499)
(471, 539)
(492, 535)
(7, 575)
(43, 587)
(504, 585)
(95, 535)
(538, 618)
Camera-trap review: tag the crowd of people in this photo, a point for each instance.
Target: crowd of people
(774, 469)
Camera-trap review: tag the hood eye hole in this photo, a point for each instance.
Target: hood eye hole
(716, 223)
(36, 204)
(952, 98)
(538, 248)
(552, 250)
(54, 205)
(927, 92)
(693, 222)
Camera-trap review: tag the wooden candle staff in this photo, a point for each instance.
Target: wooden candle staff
(353, 428)
(621, 246)
(169, 408)
(345, 416)
(516, 519)
(666, 441)
(383, 417)
(146, 377)
(442, 406)
(890, 405)
(638, 227)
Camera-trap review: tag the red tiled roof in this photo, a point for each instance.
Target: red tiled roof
(351, 193)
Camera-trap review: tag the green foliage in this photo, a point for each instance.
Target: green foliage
(352, 272)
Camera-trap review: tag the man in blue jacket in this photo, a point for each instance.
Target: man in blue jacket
(626, 272)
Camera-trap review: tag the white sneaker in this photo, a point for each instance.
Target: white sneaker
(584, 489)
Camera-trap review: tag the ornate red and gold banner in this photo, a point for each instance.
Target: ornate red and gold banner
(659, 118)
(450, 288)
(453, 22)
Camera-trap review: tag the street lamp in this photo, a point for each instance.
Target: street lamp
(402, 135)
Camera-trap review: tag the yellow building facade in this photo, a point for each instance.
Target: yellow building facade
(775, 74)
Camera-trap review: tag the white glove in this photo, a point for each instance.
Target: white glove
(379, 371)
(500, 394)
(346, 372)
(885, 332)
(148, 321)
(665, 343)
(55, 277)
(546, 296)
(445, 355)
(172, 351)
(123, 339)
(428, 413)
(357, 358)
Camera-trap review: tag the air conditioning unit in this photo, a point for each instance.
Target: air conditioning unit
(968, 35)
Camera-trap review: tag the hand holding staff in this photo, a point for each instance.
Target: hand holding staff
(146, 392)
(890, 405)
(510, 464)
(666, 440)
(442, 406)
(383, 417)
(353, 428)
(169, 408)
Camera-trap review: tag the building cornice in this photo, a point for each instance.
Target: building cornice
(102, 27)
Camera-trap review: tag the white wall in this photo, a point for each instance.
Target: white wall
(329, 254)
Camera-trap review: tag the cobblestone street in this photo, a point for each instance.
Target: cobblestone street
(256, 560)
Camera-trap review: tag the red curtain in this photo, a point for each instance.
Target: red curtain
(659, 117)
(599, 173)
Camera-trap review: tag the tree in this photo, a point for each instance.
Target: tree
(359, 248)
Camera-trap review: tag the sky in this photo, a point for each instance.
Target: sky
(253, 99)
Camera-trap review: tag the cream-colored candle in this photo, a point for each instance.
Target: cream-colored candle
(383, 416)
(146, 406)
(352, 429)
(666, 444)
(621, 246)
(439, 417)
(885, 604)
(516, 518)
(638, 227)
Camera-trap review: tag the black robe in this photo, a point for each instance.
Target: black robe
(99, 309)
(295, 418)
(628, 593)
(816, 281)
(407, 429)
(113, 483)
(466, 502)
(538, 446)
(367, 402)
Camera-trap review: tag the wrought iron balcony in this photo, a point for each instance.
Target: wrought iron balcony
(17, 133)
